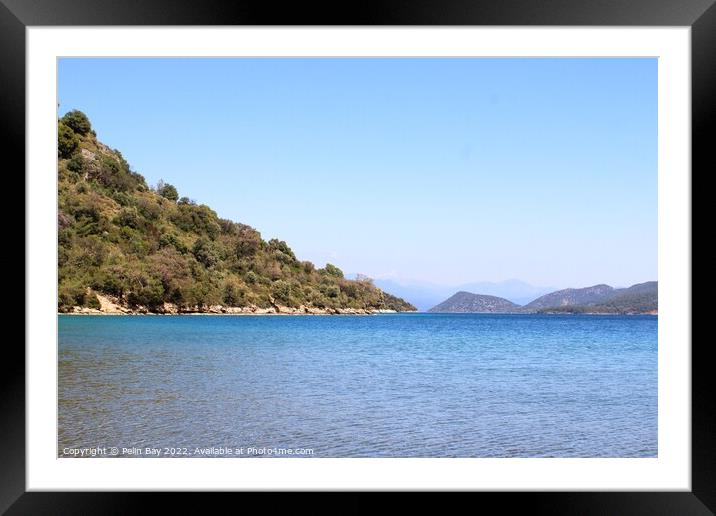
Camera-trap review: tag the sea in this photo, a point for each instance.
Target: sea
(388, 385)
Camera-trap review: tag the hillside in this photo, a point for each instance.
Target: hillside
(124, 246)
(642, 298)
(466, 302)
(638, 299)
(572, 297)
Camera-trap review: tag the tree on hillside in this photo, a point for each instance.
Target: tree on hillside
(77, 121)
(67, 141)
(205, 252)
(334, 271)
(167, 191)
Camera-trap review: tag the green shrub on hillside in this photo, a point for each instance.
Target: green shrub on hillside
(248, 241)
(331, 290)
(67, 141)
(234, 292)
(281, 291)
(77, 121)
(206, 252)
(128, 217)
(332, 270)
(76, 163)
(77, 295)
(171, 239)
(167, 191)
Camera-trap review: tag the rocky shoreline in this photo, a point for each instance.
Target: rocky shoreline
(110, 306)
(565, 312)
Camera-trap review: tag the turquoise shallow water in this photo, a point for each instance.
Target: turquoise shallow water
(404, 385)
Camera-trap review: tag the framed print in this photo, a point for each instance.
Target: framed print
(414, 249)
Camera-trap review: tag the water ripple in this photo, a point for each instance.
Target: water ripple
(386, 386)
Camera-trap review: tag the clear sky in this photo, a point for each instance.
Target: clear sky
(442, 170)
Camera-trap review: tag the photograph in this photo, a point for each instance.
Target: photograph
(403, 247)
(357, 257)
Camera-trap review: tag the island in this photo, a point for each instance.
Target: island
(641, 298)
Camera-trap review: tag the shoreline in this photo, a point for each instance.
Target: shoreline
(112, 306)
(95, 312)
(336, 312)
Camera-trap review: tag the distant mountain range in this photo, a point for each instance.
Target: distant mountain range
(425, 295)
(639, 298)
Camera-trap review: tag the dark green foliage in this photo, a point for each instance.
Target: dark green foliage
(227, 226)
(150, 295)
(281, 291)
(112, 175)
(570, 309)
(332, 270)
(76, 163)
(77, 121)
(248, 241)
(112, 171)
(87, 215)
(234, 293)
(205, 252)
(128, 217)
(331, 290)
(92, 251)
(143, 248)
(125, 165)
(123, 198)
(67, 141)
(112, 280)
(171, 239)
(636, 303)
(282, 247)
(637, 299)
(149, 209)
(167, 191)
(197, 219)
(76, 295)
(391, 302)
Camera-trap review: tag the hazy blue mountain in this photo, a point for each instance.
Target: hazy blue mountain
(573, 297)
(466, 302)
(425, 295)
(639, 298)
(515, 290)
(648, 287)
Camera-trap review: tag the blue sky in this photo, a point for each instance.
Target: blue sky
(441, 170)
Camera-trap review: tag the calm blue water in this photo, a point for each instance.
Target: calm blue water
(405, 385)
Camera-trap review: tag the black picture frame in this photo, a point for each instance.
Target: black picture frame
(700, 15)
